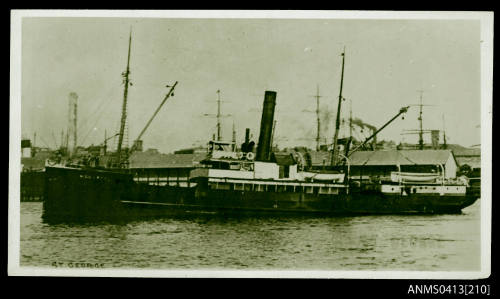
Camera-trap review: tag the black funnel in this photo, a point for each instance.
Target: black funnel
(266, 127)
(247, 135)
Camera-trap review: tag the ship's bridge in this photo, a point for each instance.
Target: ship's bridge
(220, 146)
(226, 150)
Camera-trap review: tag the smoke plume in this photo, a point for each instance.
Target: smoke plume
(358, 122)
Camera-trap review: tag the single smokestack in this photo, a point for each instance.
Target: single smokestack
(246, 147)
(266, 127)
(247, 135)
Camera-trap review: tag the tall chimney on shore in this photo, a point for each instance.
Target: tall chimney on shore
(266, 127)
(72, 122)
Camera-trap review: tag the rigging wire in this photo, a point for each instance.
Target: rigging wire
(43, 141)
(94, 111)
(98, 118)
(100, 106)
(99, 112)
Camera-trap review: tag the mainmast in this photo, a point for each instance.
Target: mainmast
(317, 96)
(421, 132)
(219, 138)
(219, 117)
(124, 106)
(234, 137)
(337, 121)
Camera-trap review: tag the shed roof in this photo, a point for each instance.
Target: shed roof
(403, 157)
(149, 160)
(467, 152)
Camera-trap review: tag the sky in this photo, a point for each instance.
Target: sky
(387, 62)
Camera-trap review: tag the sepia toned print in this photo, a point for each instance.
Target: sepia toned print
(296, 144)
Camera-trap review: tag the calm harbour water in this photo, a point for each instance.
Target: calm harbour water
(430, 243)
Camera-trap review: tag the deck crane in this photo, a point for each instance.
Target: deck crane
(401, 111)
(170, 93)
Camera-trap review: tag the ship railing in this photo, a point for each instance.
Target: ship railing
(179, 176)
(437, 182)
(275, 182)
(166, 181)
(274, 186)
(358, 181)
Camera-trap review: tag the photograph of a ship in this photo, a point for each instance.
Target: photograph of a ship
(287, 141)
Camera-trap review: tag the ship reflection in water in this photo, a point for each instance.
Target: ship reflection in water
(391, 242)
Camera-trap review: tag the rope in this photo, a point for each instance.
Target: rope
(99, 107)
(43, 141)
(99, 117)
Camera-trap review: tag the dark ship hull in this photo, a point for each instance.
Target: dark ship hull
(96, 195)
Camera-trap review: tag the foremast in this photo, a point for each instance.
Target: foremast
(124, 106)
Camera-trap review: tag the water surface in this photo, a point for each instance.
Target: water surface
(431, 242)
